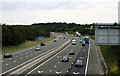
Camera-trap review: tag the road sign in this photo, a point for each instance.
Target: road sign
(40, 38)
(107, 34)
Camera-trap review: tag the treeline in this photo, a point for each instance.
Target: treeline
(69, 27)
(17, 34)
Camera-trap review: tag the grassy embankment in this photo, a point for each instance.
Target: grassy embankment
(7, 49)
(111, 55)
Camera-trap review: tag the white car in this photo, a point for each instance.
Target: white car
(37, 49)
(73, 42)
(60, 36)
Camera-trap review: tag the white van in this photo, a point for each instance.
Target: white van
(73, 42)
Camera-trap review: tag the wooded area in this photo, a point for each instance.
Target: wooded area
(17, 34)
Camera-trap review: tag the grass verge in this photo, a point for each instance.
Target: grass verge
(111, 55)
(7, 49)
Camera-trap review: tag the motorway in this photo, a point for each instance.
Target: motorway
(55, 66)
(23, 57)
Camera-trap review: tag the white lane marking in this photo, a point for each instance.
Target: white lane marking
(55, 66)
(58, 57)
(50, 70)
(84, 50)
(21, 58)
(47, 60)
(81, 57)
(58, 72)
(26, 61)
(6, 64)
(58, 62)
(87, 60)
(40, 71)
(15, 61)
(9, 58)
(74, 59)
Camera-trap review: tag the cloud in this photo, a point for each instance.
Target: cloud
(53, 4)
(84, 11)
(68, 5)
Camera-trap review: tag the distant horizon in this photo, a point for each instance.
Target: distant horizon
(62, 22)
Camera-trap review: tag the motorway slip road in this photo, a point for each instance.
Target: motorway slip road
(22, 58)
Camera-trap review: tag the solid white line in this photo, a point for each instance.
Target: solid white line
(6, 64)
(87, 60)
(46, 61)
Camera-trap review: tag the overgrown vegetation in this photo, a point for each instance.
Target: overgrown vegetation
(112, 57)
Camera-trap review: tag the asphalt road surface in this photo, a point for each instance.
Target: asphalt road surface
(20, 59)
(55, 66)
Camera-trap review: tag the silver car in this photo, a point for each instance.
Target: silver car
(79, 63)
(37, 49)
(65, 59)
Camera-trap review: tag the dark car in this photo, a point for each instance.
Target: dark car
(7, 55)
(55, 40)
(64, 37)
(83, 43)
(71, 52)
(79, 63)
(42, 44)
(65, 59)
(37, 49)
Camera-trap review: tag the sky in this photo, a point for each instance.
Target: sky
(70, 11)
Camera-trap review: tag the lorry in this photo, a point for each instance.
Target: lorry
(86, 39)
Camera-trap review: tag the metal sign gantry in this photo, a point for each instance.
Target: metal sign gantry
(107, 34)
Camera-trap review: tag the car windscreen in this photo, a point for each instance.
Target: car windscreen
(79, 62)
